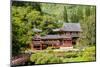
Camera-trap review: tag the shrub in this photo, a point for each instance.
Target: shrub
(50, 51)
(54, 59)
(45, 58)
(90, 49)
(34, 57)
(41, 60)
(71, 54)
(58, 57)
(49, 48)
(89, 54)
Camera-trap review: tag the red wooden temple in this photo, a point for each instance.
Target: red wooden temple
(66, 37)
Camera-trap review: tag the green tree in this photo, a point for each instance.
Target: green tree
(65, 14)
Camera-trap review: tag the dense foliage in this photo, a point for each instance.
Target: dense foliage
(46, 16)
(44, 58)
(88, 54)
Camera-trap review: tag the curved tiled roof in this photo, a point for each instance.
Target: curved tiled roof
(69, 27)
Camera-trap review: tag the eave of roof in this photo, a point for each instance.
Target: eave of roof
(55, 37)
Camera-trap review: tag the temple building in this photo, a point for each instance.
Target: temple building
(66, 37)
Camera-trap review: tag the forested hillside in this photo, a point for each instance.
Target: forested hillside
(47, 16)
